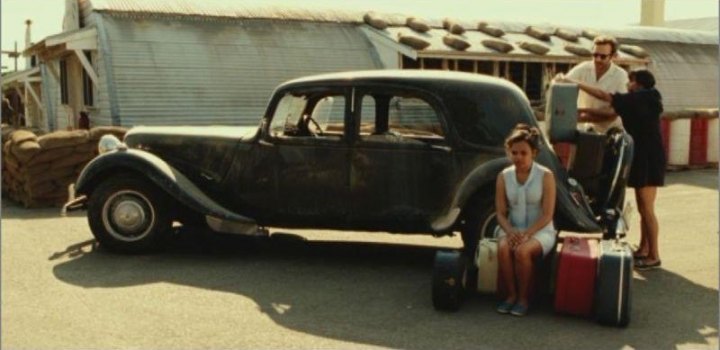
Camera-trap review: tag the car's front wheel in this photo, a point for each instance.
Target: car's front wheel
(128, 214)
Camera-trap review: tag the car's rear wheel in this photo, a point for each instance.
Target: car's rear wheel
(128, 214)
(480, 221)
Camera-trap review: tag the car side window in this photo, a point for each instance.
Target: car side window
(400, 118)
(303, 115)
(495, 113)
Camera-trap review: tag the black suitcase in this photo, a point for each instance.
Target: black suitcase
(589, 156)
(447, 280)
(613, 297)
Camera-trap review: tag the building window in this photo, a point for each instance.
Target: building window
(534, 82)
(63, 82)
(516, 74)
(432, 63)
(451, 65)
(562, 67)
(503, 70)
(88, 97)
(486, 67)
(466, 66)
(409, 63)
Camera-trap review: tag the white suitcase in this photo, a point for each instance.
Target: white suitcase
(561, 112)
(486, 260)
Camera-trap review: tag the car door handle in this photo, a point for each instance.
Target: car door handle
(266, 143)
(441, 148)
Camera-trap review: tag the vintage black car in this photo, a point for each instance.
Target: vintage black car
(395, 151)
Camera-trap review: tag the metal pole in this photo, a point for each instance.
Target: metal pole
(16, 56)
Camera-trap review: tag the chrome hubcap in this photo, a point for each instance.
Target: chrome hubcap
(128, 215)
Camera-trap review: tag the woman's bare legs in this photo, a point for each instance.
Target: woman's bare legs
(507, 269)
(525, 255)
(643, 248)
(648, 221)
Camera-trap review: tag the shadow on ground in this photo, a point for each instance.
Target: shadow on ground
(697, 178)
(379, 294)
(15, 210)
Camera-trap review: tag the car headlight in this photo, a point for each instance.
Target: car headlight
(109, 143)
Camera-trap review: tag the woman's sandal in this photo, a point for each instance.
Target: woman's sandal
(645, 265)
(639, 256)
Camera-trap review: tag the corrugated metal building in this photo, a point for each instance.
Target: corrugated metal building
(170, 62)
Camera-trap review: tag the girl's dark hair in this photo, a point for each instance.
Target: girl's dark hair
(524, 133)
(643, 77)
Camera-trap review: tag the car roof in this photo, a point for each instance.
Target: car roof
(412, 77)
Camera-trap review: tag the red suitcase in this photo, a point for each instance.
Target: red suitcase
(575, 283)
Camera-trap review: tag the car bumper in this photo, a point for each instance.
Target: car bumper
(74, 204)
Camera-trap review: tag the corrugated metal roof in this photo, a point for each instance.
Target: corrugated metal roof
(257, 9)
(708, 24)
(220, 73)
(222, 9)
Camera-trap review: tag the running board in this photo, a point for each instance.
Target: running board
(235, 227)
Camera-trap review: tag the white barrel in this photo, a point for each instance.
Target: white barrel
(679, 148)
(713, 142)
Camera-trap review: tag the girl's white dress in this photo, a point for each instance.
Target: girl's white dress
(525, 204)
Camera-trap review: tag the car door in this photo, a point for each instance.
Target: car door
(308, 146)
(402, 167)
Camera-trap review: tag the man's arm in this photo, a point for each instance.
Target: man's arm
(591, 90)
(593, 115)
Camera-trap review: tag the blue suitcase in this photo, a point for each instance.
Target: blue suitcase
(561, 112)
(614, 283)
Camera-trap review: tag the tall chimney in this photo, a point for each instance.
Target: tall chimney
(27, 42)
(652, 13)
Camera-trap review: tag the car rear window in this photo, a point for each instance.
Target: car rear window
(491, 116)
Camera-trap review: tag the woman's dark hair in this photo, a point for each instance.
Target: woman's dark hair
(643, 77)
(524, 133)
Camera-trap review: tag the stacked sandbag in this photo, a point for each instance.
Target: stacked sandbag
(37, 170)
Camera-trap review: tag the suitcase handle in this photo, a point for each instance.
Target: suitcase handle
(482, 242)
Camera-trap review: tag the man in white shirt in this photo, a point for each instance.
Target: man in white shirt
(604, 74)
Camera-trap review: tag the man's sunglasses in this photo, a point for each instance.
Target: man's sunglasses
(601, 56)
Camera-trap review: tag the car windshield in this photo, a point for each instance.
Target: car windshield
(309, 114)
(287, 114)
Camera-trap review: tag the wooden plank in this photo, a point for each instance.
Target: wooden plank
(88, 67)
(30, 89)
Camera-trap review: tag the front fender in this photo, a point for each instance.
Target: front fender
(480, 177)
(159, 172)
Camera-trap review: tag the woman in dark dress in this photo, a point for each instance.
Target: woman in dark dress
(640, 111)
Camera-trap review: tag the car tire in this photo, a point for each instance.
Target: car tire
(480, 221)
(129, 214)
(447, 280)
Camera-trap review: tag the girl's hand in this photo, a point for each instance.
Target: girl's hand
(527, 236)
(515, 238)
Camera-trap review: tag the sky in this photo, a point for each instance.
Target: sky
(47, 15)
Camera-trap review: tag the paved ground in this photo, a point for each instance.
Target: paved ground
(310, 289)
